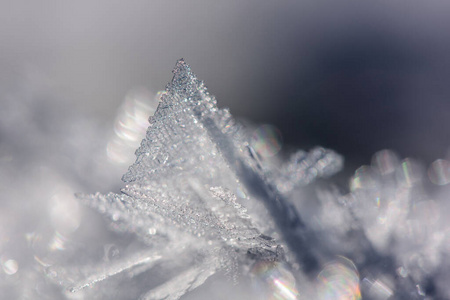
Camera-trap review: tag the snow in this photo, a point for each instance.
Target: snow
(208, 198)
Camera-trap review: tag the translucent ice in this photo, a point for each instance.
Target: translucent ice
(199, 189)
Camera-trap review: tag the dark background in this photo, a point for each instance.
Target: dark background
(355, 76)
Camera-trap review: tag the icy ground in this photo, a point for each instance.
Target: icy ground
(209, 210)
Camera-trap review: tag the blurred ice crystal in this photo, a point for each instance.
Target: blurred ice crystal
(131, 124)
(396, 232)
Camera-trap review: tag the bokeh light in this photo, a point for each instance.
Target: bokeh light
(362, 179)
(131, 125)
(10, 266)
(266, 140)
(409, 173)
(385, 161)
(273, 281)
(439, 172)
(339, 280)
(377, 289)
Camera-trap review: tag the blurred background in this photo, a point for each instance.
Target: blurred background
(353, 76)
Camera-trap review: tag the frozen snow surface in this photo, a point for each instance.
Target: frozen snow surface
(210, 210)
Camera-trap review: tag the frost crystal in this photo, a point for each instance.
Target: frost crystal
(201, 197)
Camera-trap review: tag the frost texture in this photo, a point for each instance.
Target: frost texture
(207, 199)
(199, 194)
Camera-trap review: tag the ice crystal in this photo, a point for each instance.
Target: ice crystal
(390, 228)
(208, 198)
(201, 196)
